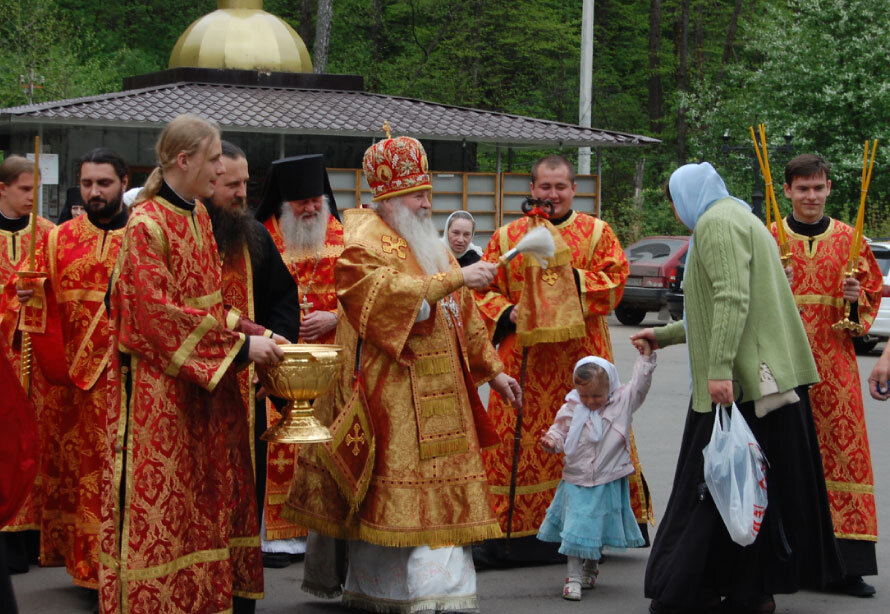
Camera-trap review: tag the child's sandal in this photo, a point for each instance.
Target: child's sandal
(589, 573)
(572, 590)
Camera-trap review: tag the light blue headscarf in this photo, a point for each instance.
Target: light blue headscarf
(694, 188)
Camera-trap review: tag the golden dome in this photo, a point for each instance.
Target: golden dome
(241, 35)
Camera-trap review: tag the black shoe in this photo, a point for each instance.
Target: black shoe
(854, 586)
(483, 559)
(279, 560)
(656, 607)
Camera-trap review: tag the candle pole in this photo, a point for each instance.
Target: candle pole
(856, 329)
(31, 273)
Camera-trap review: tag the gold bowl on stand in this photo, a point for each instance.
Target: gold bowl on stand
(306, 372)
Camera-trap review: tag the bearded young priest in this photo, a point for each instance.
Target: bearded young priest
(256, 281)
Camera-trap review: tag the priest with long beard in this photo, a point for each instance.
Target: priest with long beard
(408, 312)
(299, 211)
(258, 284)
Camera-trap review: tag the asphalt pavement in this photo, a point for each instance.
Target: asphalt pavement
(531, 590)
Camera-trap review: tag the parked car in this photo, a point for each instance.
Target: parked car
(880, 329)
(653, 268)
(675, 292)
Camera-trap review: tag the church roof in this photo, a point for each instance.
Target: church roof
(251, 108)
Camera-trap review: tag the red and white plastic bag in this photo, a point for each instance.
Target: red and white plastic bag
(735, 472)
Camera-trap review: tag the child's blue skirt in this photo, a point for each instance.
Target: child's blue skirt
(586, 518)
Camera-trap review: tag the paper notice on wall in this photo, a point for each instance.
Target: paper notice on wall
(49, 168)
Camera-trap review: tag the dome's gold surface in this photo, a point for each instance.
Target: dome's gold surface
(240, 35)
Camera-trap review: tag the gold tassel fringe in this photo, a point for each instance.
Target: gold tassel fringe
(551, 335)
(442, 406)
(432, 365)
(444, 447)
(456, 536)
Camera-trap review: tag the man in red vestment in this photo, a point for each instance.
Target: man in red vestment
(592, 271)
(16, 203)
(820, 249)
(78, 257)
(179, 531)
(257, 283)
(299, 211)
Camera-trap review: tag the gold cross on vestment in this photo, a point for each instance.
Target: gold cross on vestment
(306, 306)
(549, 277)
(396, 245)
(281, 462)
(359, 438)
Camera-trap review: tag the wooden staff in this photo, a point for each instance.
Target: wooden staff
(517, 440)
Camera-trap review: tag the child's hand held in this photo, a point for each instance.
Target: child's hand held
(643, 346)
(546, 442)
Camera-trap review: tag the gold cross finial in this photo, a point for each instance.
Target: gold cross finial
(387, 129)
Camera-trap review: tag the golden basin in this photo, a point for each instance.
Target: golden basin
(307, 371)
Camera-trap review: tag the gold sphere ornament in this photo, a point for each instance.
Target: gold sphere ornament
(241, 35)
(307, 371)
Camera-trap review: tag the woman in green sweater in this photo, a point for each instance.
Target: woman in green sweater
(746, 342)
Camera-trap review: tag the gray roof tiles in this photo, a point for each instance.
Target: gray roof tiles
(304, 111)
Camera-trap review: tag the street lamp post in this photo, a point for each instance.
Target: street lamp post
(757, 188)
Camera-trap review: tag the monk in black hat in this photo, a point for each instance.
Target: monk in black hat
(300, 212)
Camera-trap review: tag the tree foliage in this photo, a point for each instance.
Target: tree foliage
(683, 71)
(815, 69)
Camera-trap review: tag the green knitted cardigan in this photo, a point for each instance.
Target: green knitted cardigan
(740, 312)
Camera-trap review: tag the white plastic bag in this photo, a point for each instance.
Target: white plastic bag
(735, 472)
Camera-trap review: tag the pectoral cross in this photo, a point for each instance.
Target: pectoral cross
(306, 306)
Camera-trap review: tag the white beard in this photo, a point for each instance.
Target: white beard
(420, 233)
(303, 235)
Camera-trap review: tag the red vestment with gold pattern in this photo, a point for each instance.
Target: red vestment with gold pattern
(601, 270)
(314, 274)
(47, 401)
(838, 411)
(79, 258)
(179, 523)
(237, 291)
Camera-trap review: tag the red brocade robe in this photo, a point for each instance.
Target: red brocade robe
(179, 525)
(838, 410)
(45, 397)
(319, 279)
(601, 267)
(79, 258)
(238, 292)
(427, 485)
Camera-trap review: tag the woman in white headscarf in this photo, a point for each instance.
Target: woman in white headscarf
(460, 228)
(746, 343)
